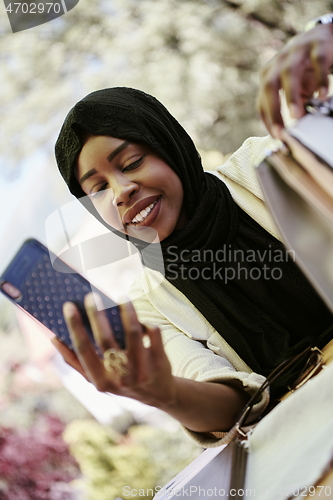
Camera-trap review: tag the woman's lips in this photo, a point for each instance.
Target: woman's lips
(150, 218)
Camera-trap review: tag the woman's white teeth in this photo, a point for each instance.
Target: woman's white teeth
(143, 214)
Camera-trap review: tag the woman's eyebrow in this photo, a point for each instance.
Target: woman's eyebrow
(118, 150)
(109, 158)
(87, 175)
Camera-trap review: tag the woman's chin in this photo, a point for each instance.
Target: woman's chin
(143, 233)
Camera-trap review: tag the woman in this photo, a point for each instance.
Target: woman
(224, 329)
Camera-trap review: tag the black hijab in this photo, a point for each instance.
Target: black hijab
(235, 273)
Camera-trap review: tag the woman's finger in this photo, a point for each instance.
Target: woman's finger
(99, 322)
(156, 343)
(291, 83)
(321, 66)
(159, 359)
(85, 351)
(69, 356)
(135, 349)
(269, 105)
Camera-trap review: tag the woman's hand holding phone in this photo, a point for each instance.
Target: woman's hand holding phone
(147, 372)
(200, 406)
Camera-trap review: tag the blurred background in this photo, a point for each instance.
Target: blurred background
(201, 58)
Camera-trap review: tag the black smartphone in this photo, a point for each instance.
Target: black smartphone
(39, 289)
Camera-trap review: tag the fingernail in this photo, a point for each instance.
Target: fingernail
(91, 300)
(295, 111)
(323, 92)
(69, 309)
(55, 341)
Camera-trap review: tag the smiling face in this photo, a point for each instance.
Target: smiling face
(130, 186)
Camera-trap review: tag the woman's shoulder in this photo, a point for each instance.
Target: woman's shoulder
(240, 166)
(239, 175)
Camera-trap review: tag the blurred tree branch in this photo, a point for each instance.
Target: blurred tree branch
(201, 58)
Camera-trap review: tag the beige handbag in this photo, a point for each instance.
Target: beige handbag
(298, 188)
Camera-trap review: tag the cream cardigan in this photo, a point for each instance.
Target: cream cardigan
(195, 349)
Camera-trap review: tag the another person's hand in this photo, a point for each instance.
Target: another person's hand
(144, 373)
(300, 69)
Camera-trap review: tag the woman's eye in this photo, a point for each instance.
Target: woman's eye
(99, 192)
(133, 165)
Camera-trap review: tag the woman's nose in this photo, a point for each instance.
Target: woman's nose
(123, 190)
